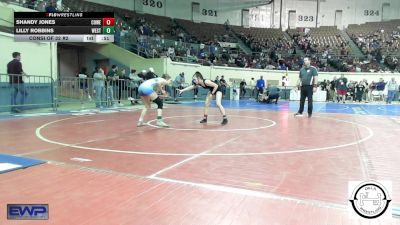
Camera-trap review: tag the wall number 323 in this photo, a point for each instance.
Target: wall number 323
(306, 18)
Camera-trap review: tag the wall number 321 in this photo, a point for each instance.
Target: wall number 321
(208, 12)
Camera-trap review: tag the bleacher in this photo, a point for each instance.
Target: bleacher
(260, 34)
(322, 38)
(387, 34)
(206, 32)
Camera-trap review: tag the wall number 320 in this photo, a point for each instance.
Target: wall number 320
(153, 3)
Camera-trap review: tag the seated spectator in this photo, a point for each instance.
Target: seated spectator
(52, 7)
(171, 52)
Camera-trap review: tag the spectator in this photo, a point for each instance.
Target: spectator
(142, 74)
(178, 84)
(351, 91)
(252, 85)
(260, 85)
(359, 90)
(98, 85)
(83, 84)
(117, 37)
(134, 83)
(171, 52)
(217, 80)
(392, 89)
(332, 87)
(371, 88)
(150, 74)
(15, 72)
(124, 33)
(121, 84)
(112, 84)
(243, 85)
(52, 8)
(365, 95)
(285, 81)
(341, 88)
(380, 87)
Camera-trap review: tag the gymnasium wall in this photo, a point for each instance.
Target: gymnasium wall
(38, 58)
(45, 65)
(6, 16)
(128, 60)
(261, 16)
(211, 11)
(353, 11)
(7, 13)
(174, 68)
(77, 55)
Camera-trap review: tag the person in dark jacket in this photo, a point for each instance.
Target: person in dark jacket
(150, 74)
(15, 73)
(243, 85)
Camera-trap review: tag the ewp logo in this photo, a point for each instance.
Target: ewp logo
(27, 211)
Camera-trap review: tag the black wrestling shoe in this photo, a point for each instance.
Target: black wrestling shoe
(309, 115)
(203, 120)
(224, 121)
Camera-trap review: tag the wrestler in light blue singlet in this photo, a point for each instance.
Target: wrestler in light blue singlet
(147, 87)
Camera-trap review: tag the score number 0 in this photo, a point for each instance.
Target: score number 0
(108, 21)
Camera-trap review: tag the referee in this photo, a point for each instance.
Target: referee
(308, 79)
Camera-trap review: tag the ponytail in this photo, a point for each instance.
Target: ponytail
(198, 76)
(166, 76)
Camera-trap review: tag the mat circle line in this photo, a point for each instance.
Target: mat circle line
(273, 123)
(370, 135)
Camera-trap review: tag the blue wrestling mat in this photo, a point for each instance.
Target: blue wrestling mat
(10, 163)
(322, 107)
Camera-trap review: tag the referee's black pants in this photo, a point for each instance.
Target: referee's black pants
(306, 92)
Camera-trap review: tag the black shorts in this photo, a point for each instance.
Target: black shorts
(274, 96)
(83, 85)
(218, 89)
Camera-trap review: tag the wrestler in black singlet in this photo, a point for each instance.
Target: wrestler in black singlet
(210, 88)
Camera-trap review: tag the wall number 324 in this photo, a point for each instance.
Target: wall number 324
(371, 12)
